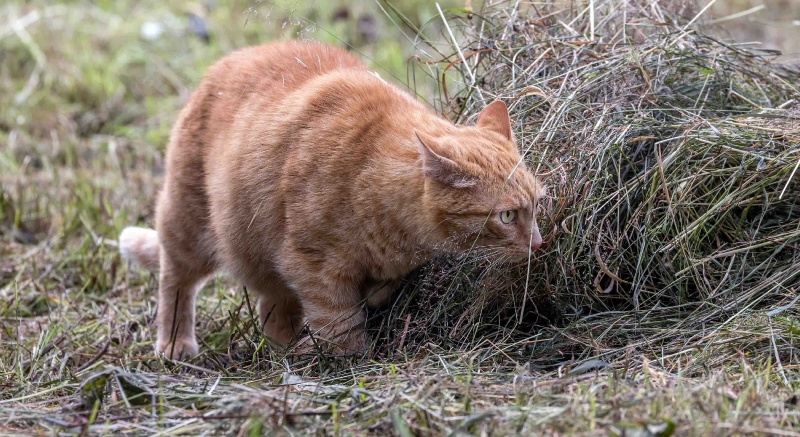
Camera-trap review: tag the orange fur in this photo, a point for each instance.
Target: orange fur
(318, 186)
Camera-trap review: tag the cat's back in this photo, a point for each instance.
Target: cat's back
(246, 86)
(282, 65)
(261, 73)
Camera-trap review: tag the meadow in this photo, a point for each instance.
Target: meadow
(665, 300)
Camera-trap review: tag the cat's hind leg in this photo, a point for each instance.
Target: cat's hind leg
(186, 261)
(177, 290)
(182, 273)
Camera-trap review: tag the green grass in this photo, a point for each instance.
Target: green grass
(85, 110)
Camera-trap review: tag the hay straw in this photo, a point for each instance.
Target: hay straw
(666, 151)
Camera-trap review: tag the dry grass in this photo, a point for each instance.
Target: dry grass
(663, 302)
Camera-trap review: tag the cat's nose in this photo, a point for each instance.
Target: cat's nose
(536, 241)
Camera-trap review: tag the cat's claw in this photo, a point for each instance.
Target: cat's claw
(180, 349)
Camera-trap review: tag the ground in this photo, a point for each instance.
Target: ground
(88, 93)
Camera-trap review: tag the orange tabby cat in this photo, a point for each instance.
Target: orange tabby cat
(318, 186)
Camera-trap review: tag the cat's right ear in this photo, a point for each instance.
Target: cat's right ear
(495, 118)
(439, 168)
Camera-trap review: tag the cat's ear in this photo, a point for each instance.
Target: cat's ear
(495, 118)
(439, 168)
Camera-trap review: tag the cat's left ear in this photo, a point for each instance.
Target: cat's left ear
(495, 118)
(437, 167)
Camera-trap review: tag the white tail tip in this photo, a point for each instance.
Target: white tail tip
(140, 246)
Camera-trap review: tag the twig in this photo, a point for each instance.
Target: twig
(405, 331)
(460, 53)
(790, 180)
(96, 356)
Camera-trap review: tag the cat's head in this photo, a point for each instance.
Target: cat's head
(478, 191)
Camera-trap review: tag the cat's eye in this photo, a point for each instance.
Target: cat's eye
(507, 216)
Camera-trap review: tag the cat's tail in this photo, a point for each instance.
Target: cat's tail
(140, 246)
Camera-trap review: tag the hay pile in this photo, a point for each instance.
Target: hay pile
(672, 160)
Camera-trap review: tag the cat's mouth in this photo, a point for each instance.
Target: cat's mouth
(521, 253)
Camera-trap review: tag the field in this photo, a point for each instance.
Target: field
(663, 302)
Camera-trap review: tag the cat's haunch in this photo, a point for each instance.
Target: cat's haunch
(318, 186)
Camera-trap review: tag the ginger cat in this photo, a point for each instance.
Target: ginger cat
(318, 186)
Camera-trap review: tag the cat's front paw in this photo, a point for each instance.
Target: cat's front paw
(180, 349)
